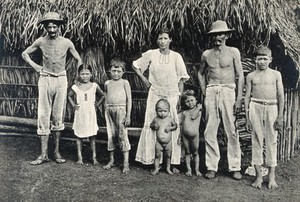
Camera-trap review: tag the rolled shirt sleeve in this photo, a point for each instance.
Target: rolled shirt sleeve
(181, 69)
(143, 62)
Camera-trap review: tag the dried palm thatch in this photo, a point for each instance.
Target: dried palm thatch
(127, 26)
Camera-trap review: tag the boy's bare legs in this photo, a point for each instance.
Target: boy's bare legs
(43, 157)
(57, 156)
(259, 178)
(93, 146)
(196, 160)
(79, 151)
(111, 162)
(126, 162)
(272, 183)
(188, 164)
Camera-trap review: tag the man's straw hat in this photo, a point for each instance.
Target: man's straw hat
(218, 27)
(52, 17)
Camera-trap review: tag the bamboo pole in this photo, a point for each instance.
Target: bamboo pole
(298, 121)
(294, 121)
(282, 135)
(289, 126)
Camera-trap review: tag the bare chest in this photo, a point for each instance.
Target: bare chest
(219, 60)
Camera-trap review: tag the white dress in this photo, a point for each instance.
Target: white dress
(165, 72)
(85, 119)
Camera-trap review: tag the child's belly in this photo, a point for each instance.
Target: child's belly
(163, 137)
(190, 130)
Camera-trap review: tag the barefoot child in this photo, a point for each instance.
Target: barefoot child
(85, 120)
(190, 122)
(163, 124)
(264, 102)
(117, 112)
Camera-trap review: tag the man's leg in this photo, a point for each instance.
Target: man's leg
(233, 146)
(259, 178)
(212, 152)
(44, 113)
(57, 156)
(43, 157)
(272, 182)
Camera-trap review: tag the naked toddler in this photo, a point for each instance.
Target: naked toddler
(163, 124)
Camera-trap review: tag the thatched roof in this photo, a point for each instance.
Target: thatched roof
(128, 26)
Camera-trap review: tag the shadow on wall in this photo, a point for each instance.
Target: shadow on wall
(283, 63)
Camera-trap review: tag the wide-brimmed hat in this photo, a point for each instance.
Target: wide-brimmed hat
(52, 17)
(219, 26)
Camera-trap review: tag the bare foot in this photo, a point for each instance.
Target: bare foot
(155, 171)
(210, 174)
(126, 170)
(40, 160)
(198, 173)
(95, 162)
(80, 162)
(59, 159)
(237, 175)
(272, 184)
(169, 172)
(257, 183)
(109, 165)
(188, 173)
(175, 170)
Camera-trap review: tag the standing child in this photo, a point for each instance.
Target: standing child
(190, 122)
(163, 124)
(117, 112)
(264, 102)
(85, 120)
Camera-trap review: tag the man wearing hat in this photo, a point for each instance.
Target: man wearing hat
(52, 84)
(220, 66)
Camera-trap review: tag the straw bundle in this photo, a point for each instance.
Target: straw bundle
(130, 26)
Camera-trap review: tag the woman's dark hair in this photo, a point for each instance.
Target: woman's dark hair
(184, 96)
(80, 68)
(165, 31)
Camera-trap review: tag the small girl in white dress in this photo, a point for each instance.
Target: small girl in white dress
(85, 119)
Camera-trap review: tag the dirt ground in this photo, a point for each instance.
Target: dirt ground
(71, 182)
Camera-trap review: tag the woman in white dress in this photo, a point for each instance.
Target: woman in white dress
(167, 74)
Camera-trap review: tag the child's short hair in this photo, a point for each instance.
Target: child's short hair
(263, 51)
(162, 100)
(117, 62)
(185, 95)
(80, 68)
